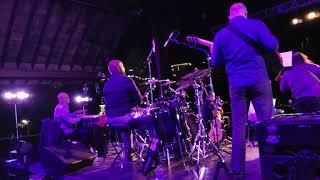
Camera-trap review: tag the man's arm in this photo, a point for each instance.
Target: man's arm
(284, 88)
(63, 113)
(216, 54)
(134, 92)
(267, 39)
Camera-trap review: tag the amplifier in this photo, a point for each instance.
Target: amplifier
(289, 147)
(66, 157)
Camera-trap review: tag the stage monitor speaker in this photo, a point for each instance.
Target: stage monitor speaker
(66, 157)
(289, 147)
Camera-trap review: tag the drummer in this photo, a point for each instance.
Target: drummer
(122, 97)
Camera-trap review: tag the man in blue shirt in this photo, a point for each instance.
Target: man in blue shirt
(247, 75)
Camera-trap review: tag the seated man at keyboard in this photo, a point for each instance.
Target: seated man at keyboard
(66, 119)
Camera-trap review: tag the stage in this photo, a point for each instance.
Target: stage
(101, 169)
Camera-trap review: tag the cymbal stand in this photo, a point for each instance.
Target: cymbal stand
(202, 141)
(210, 75)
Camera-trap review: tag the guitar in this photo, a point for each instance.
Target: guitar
(194, 40)
(215, 133)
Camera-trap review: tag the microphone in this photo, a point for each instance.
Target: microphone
(168, 40)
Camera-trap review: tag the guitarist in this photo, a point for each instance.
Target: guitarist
(247, 75)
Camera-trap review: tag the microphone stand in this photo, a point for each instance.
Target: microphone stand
(150, 75)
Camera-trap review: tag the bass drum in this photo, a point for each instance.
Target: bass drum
(165, 125)
(168, 123)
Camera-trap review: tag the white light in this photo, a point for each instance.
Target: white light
(311, 15)
(80, 99)
(9, 95)
(296, 21)
(22, 95)
(24, 121)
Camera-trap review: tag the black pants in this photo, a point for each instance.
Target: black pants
(307, 104)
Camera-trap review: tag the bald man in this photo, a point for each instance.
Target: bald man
(121, 97)
(120, 92)
(62, 114)
(247, 75)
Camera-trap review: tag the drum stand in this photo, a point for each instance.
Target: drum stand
(202, 141)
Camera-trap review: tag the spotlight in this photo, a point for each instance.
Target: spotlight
(16, 98)
(296, 21)
(9, 95)
(24, 122)
(22, 95)
(312, 15)
(80, 99)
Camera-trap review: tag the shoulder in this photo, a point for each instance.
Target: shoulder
(255, 21)
(59, 107)
(221, 33)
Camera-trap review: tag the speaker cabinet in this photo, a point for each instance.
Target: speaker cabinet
(66, 157)
(289, 147)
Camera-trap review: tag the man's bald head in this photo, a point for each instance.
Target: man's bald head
(116, 67)
(238, 9)
(63, 98)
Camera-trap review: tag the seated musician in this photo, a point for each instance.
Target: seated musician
(66, 118)
(122, 97)
(303, 81)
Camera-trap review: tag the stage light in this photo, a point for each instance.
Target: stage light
(296, 21)
(24, 122)
(312, 15)
(80, 99)
(22, 95)
(9, 95)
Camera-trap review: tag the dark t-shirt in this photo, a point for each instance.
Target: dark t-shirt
(121, 95)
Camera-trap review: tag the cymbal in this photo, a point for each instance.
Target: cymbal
(183, 85)
(155, 81)
(168, 83)
(197, 74)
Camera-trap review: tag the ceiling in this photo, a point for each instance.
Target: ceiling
(44, 39)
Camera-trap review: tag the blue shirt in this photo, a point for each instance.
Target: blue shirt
(244, 65)
(300, 82)
(121, 95)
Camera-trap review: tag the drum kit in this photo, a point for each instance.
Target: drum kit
(176, 124)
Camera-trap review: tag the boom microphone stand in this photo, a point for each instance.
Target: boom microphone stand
(150, 72)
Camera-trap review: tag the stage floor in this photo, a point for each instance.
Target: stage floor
(101, 169)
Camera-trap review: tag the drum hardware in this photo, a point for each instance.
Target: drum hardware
(201, 141)
(140, 144)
